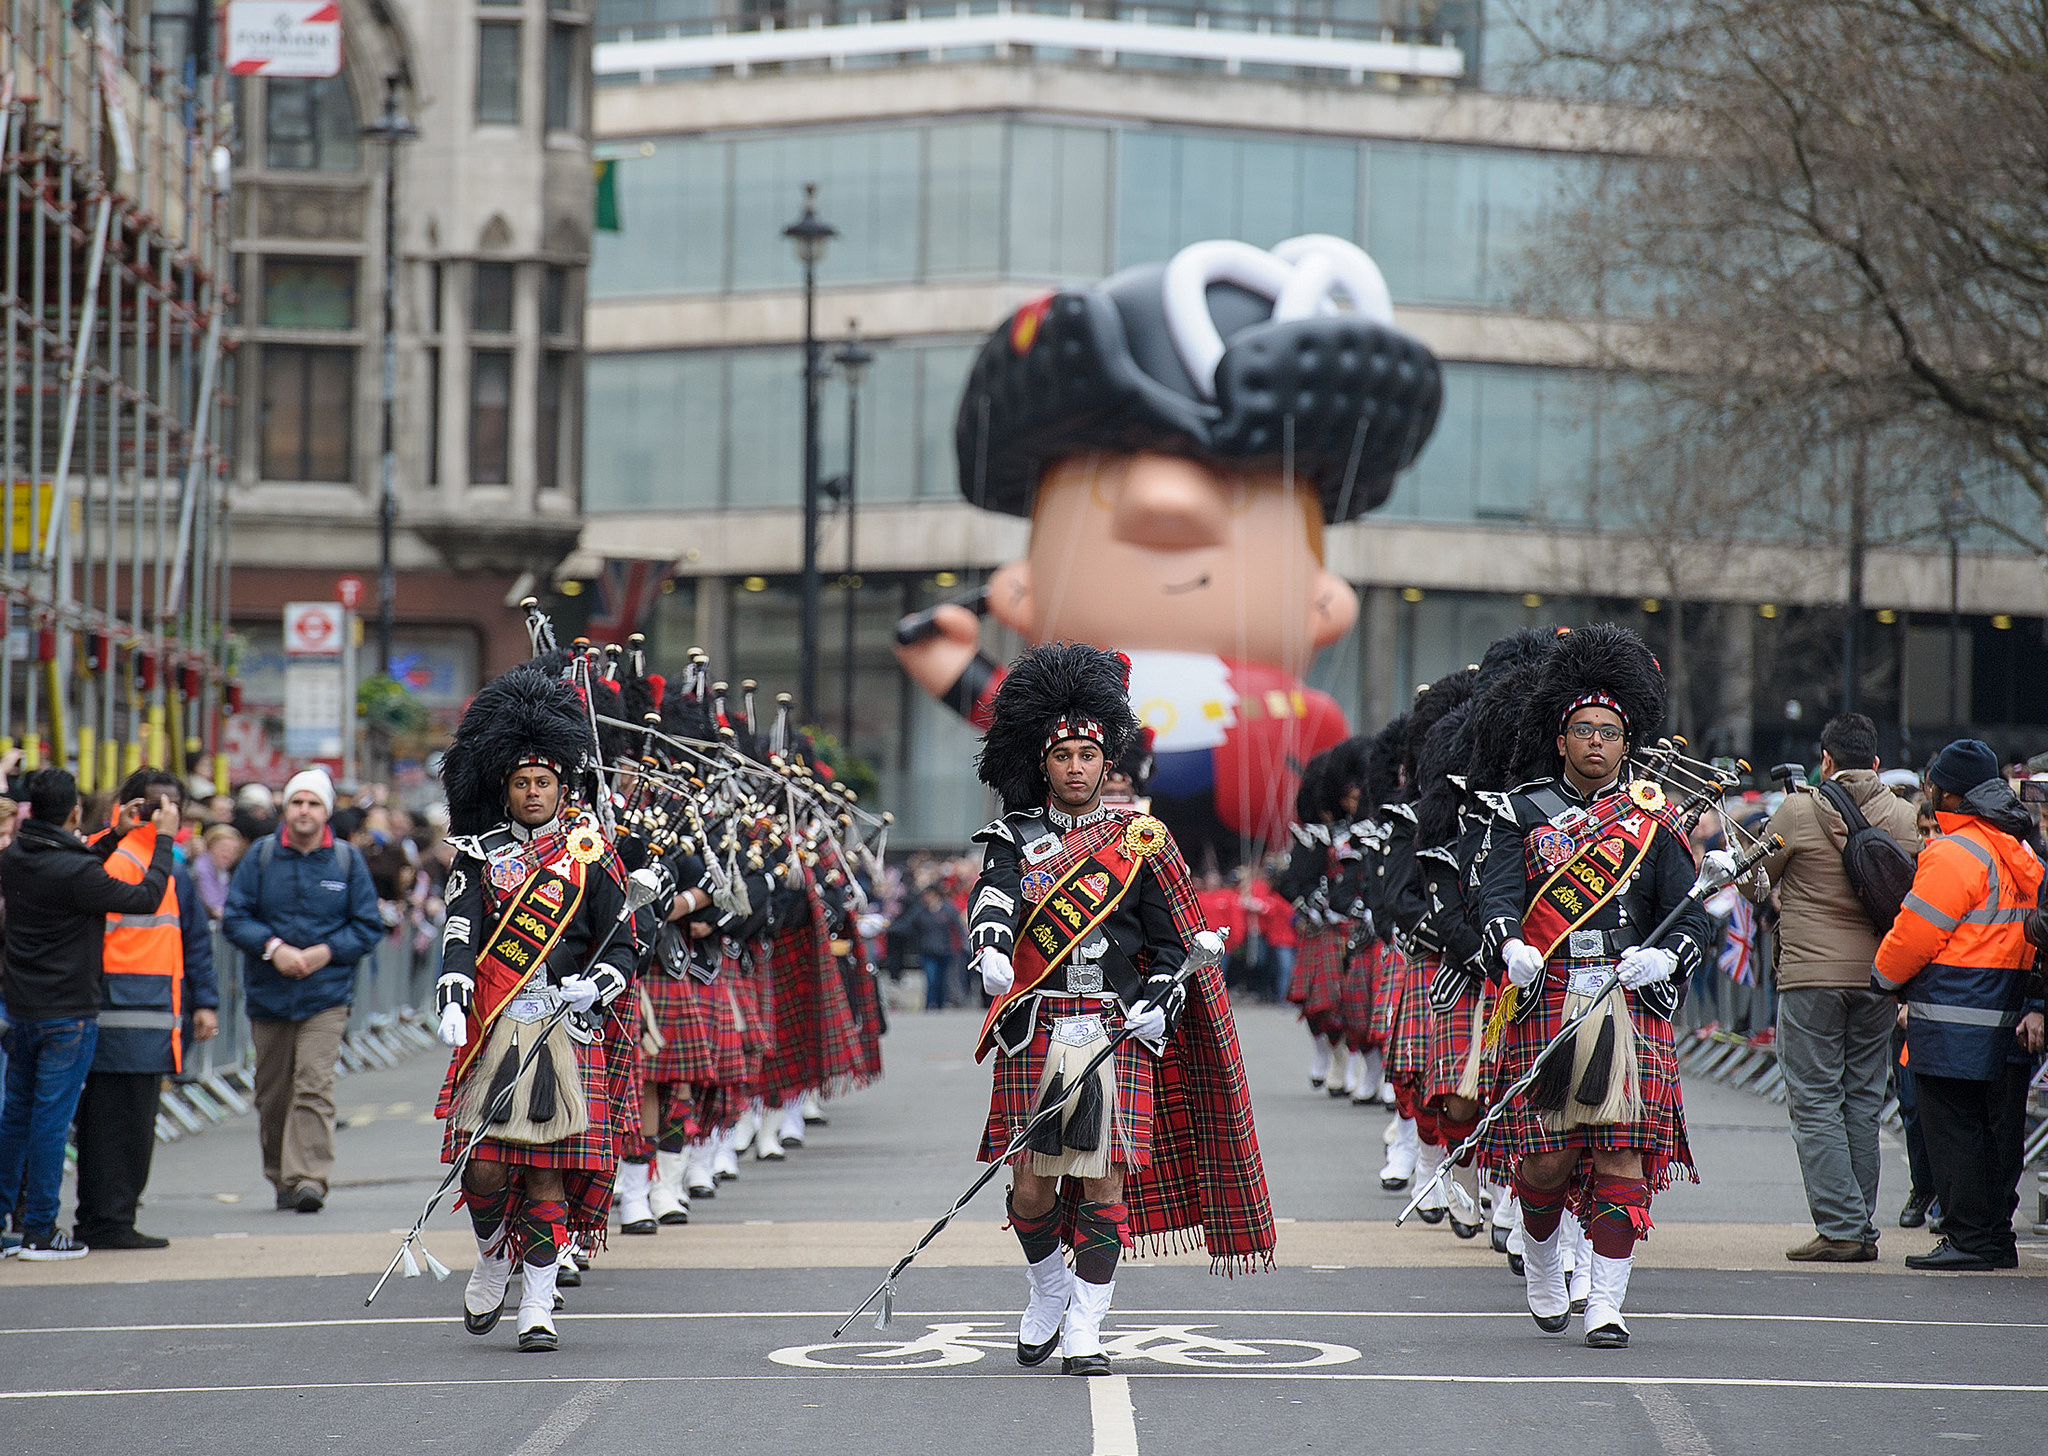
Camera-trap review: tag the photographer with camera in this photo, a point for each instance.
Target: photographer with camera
(1834, 1032)
(59, 895)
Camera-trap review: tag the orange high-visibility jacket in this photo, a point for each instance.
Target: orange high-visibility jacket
(1959, 949)
(142, 1000)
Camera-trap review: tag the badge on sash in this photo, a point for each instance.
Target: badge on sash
(1553, 846)
(1042, 848)
(506, 872)
(1036, 885)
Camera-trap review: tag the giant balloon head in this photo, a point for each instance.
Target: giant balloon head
(1179, 436)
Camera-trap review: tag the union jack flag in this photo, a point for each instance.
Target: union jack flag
(1738, 946)
(625, 591)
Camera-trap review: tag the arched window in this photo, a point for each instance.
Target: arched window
(309, 126)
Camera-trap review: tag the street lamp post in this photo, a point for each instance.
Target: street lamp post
(853, 361)
(391, 129)
(808, 235)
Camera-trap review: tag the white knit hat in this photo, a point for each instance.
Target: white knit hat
(314, 780)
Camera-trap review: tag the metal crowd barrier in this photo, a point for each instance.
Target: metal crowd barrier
(389, 1023)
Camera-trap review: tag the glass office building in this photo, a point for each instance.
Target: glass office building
(972, 156)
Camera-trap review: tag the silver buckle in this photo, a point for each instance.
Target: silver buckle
(1588, 945)
(1084, 977)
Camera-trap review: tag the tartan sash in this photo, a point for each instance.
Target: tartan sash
(535, 917)
(1091, 876)
(1589, 877)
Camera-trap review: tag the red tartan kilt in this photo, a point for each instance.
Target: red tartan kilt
(623, 1067)
(1659, 1135)
(1450, 1041)
(686, 1054)
(1413, 1021)
(1319, 977)
(1013, 1097)
(722, 1003)
(1389, 967)
(590, 1150)
(1360, 982)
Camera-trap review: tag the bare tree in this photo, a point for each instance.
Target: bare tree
(1827, 258)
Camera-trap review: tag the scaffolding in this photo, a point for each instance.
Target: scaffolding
(114, 269)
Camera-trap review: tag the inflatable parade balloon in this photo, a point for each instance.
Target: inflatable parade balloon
(1179, 435)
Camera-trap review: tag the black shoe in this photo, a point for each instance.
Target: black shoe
(1515, 1265)
(538, 1340)
(1316, 1083)
(569, 1277)
(1551, 1324)
(308, 1199)
(640, 1226)
(1945, 1257)
(1033, 1355)
(284, 1200)
(1084, 1365)
(1431, 1216)
(1607, 1337)
(1499, 1239)
(676, 1216)
(580, 1259)
(1393, 1185)
(1578, 1306)
(702, 1190)
(482, 1324)
(125, 1238)
(1336, 1090)
(1465, 1230)
(1914, 1214)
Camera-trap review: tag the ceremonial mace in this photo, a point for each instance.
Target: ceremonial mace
(1207, 952)
(643, 887)
(1709, 880)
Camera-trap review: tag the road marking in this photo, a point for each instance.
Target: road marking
(1513, 1316)
(568, 1419)
(1674, 1427)
(1116, 1423)
(1916, 1387)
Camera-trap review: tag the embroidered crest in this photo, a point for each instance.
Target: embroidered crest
(506, 872)
(1094, 886)
(549, 893)
(1036, 885)
(1144, 836)
(1553, 846)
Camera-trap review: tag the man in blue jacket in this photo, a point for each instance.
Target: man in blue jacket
(302, 910)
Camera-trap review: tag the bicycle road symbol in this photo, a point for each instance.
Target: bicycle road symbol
(1186, 1346)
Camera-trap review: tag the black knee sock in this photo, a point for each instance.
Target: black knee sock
(1038, 1233)
(1099, 1241)
(487, 1210)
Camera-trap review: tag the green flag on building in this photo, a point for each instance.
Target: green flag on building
(607, 174)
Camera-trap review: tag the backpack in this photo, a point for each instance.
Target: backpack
(1879, 868)
(266, 848)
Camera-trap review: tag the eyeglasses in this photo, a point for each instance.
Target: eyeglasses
(1605, 732)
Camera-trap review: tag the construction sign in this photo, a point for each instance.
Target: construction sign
(284, 38)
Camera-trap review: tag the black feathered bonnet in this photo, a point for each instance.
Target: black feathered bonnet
(525, 716)
(1059, 691)
(1598, 666)
(1329, 774)
(1225, 353)
(1432, 705)
(1383, 763)
(1436, 797)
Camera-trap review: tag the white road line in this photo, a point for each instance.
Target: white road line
(1698, 1382)
(1675, 1429)
(1512, 1315)
(568, 1419)
(1116, 1423)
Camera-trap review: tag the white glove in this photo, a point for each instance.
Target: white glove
(996, 974)
(1645, 966)
(580, 992)
(454, 1028)
(1717, 867)
(1146, 1021)
(1524, 963)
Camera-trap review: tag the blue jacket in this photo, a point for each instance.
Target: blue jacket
(305, 900)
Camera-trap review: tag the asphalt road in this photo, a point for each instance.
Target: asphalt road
(250, 1332)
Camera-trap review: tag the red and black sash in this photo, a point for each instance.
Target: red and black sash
(534, 919)
(1586, 879)
(1091, 874)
